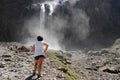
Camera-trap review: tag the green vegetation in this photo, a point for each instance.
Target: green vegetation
(70, 74)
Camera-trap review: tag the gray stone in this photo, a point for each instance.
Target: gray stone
(6, 55)
(2, 64)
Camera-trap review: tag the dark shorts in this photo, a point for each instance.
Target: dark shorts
(40, 56)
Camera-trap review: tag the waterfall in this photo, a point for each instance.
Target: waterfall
(47, 25)
(49, 35)
(42, 20)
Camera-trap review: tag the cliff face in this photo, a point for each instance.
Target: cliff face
(100, 24)
(12, 16)
(87, 22)
(104, 19)
(104, 22)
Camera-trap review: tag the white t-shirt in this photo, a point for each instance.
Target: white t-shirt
(39, 48)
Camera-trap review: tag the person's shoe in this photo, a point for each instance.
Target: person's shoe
(34, 73)
(39, 75)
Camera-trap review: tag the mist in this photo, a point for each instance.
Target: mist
(55, 28)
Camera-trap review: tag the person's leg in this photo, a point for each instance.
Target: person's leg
(40, 61)
(35, 67)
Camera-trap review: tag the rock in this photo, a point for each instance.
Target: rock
(91, 68)
(2, 65)
(60, 57)
(111, 69)
(63, 69)
(67, 61)
(23, 48)
(104, 51)
(89, 52)
(0, 74)
(60, 76)
(69, 55)
(18, 48)
(44, 73)
(6, 55)
(7, 59)
(12, 76)
(5, 76)
(94, 53)
(117, 42)
(29, 61)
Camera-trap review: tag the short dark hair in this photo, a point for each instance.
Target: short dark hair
(39, 38)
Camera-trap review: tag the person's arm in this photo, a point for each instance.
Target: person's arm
(33, 48)
(45, 46)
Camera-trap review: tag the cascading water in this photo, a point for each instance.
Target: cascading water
(43, 12)
(42, 19)
(58, 23)
(40, 29)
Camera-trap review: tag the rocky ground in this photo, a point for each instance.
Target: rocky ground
(99, 65)
(16, 63)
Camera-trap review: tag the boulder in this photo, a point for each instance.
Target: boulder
(2, 64)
